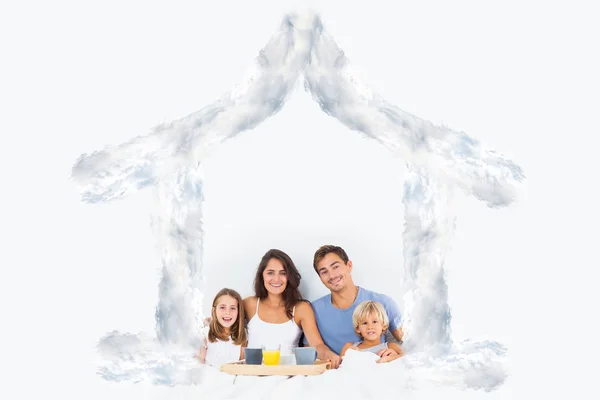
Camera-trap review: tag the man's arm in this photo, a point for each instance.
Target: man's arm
(308, 323)
(394, 334)
(398, 334)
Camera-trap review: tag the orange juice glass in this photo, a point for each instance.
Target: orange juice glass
(271, 354)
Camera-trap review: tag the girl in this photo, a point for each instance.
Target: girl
(227, 332)
(370, 323)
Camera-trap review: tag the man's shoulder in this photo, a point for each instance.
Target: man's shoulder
(322, 301)
(376, 296)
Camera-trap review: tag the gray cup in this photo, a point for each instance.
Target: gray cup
(253, 356)
(305, 355)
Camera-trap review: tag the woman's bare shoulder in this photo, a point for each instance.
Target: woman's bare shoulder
(250, 300)
(303, 305)
(250, 305)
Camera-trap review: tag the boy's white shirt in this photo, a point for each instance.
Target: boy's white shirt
(355, 358)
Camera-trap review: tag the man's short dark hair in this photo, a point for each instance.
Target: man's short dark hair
(326, 249)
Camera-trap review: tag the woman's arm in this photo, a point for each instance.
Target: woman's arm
(306, 318)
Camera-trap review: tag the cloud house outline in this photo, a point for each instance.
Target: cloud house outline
(439, 161)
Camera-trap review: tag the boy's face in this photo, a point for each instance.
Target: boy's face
(371, 328)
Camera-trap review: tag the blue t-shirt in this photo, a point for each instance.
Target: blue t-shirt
(335, 324)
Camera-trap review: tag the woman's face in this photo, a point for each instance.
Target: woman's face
(275, 277)
(226, 310)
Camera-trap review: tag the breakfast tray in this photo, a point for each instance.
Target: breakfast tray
(241, 368)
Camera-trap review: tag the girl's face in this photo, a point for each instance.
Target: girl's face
(275, 277)
(371, 328)
(226, 310)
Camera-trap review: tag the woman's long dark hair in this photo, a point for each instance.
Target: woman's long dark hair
(291, 294)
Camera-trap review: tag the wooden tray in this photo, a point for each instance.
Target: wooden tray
(241, 368)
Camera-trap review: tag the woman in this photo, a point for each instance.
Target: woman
(278, 313)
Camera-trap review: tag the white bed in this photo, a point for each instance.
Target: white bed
(470, 365)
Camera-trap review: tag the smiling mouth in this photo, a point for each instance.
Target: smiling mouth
(276, 285)
(334, 281)
(227, 319)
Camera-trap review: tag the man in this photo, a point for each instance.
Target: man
(334, 311)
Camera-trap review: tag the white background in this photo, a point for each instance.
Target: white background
(77, 76)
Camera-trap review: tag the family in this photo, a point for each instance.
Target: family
(350, 317)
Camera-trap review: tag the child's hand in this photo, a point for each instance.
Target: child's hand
(387, 355)
(387, 352)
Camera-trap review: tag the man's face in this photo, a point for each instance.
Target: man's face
(334, 274)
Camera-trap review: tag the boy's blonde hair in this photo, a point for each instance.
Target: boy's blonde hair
(367, 308)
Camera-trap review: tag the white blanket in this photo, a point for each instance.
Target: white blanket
(468, 366)
(359, 376)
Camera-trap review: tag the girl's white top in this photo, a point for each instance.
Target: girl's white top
(221, 352)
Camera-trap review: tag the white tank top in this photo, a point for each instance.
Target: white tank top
(262, 333)
(221, 352)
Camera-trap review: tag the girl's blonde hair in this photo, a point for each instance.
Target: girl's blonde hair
(367, 308)
(238, 329)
